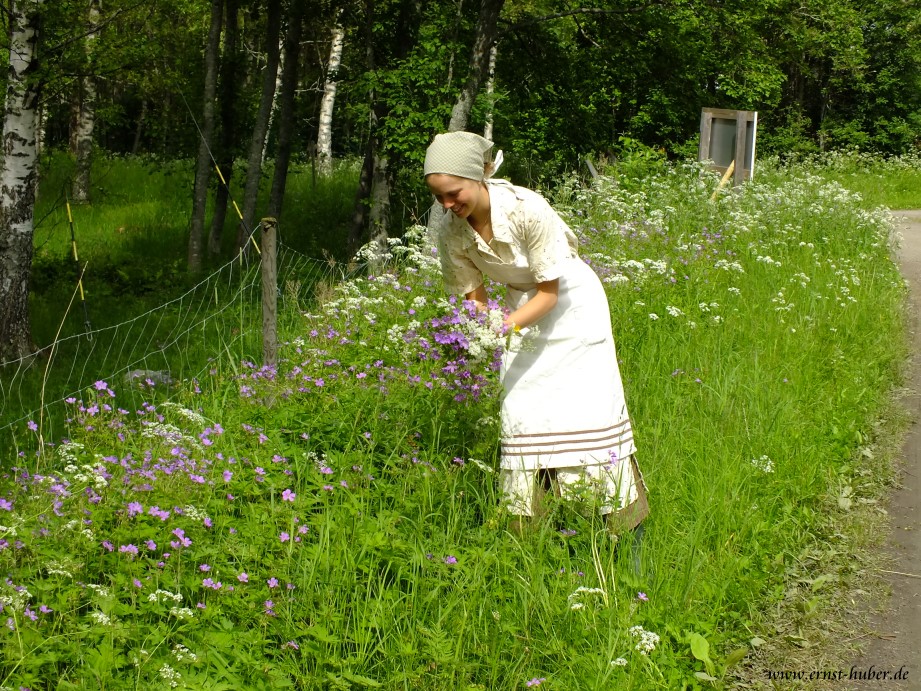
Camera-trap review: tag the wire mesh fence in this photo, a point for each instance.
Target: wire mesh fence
(218, 320)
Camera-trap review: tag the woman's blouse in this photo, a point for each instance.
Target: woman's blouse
(530, 244)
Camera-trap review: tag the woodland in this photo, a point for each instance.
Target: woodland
(232, 86)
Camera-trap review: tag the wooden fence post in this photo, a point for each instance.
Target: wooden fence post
(269, 293)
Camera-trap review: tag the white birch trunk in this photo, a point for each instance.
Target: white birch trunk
(282, 57)
(17, 181)
(86, 117)
(486, 31)
(490, 92)
(325, 129)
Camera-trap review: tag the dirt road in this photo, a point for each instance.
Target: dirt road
(895, 636)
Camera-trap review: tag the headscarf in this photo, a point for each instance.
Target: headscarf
(463, 154)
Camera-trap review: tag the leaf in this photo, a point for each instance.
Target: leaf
(700, 649)
(359, 679)
(820, 581)
(704, 676)
(320, 633)
(738, 655)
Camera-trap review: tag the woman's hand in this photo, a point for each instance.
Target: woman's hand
(478, 295)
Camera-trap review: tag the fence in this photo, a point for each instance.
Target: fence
(147, 356)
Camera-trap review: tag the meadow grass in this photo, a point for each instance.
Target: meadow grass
(893, 182)
(333, 522)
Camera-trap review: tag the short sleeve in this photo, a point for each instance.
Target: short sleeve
(546, 237)
(460, 274)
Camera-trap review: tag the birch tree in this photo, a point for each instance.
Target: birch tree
(17, 179)
(325, 128)
(486, 32)
(490, 94)
(85, 120)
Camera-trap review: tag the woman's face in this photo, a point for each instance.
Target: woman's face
(461, 196)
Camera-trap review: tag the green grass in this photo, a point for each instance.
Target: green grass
(893, 182)
(760, 336)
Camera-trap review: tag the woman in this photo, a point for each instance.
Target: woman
(564, 418)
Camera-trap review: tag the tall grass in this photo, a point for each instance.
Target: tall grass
(334, 522)
(893, 182)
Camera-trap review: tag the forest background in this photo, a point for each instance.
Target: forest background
(263, 85)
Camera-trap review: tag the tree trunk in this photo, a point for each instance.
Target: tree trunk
(289, 79)
(17, 179)
(260, 128)
(325, 129)
(139, 130)
(274, 107)
(379, 213)
(360, 211)
(203, 162)
(486, 31)
(458, 21)
(230, 67)
(86, 115)
(490, 90)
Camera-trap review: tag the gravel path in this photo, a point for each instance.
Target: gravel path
(895, 642)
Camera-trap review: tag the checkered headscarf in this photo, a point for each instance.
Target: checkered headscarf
(463, 154)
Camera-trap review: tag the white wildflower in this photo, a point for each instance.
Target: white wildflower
(180, 652)
(194, 513)
(764, 464)
(619, 662)
(100, 590)
(647, 639)
(728, 266)
(576, 597)
(190, 415)
(170, 675)
(161, 595)
(101, 618)
(56, 568)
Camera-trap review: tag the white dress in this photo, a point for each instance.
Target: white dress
(563, 407)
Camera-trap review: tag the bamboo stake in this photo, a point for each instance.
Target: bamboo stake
(73, 246)
(726, 176)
